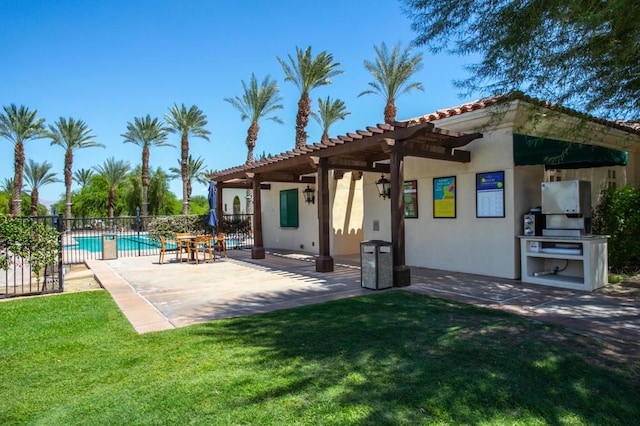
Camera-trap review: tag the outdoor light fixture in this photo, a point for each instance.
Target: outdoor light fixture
(384, 187)
(309, 195)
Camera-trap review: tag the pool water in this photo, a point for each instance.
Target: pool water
(124, 242)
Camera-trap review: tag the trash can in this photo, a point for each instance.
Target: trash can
(109, 246)
(376, 264)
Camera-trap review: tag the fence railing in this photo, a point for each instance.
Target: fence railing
(100, 238)
(20, 278)
(94, 238)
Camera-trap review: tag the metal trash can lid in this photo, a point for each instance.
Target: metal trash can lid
(375, 243)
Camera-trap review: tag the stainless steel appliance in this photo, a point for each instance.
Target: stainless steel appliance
(534, 222)
(567, 208)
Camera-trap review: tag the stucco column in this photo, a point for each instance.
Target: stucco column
(257, 252)
(401, 272)
(324, 261)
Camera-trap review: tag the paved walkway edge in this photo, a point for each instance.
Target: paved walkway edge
(142, 315)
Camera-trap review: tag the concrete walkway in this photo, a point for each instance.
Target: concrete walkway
(159, 297)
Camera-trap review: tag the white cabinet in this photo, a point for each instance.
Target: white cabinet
(575, 263)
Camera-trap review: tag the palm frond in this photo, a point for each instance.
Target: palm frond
(307, 72)
(391, 71)
(187, 122)
(145, 131)
(19, 124)
(39, 174)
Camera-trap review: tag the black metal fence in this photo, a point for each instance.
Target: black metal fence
(19, 277)
(99, 238)
(106, 238)
(128, 236)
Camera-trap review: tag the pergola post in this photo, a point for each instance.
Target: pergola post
(257, 252)
(324, 261)
(401, 272)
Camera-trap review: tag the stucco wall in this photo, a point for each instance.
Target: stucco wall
(345, 215)
(228, 195)
(303, 238)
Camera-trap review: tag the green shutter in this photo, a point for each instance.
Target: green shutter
(289, 208)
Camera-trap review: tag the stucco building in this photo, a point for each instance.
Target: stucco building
(461, 180)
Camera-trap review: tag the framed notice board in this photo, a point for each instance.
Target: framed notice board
(411, 199)
(490, 194)
(444, 197)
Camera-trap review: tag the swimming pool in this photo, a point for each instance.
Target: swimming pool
(93, 244)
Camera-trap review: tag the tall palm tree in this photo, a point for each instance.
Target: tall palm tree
(146, 132)
(329, 112)
(113, 173)
(392, 71)
(83, 176)
(19, 125)
(195, 170)
(307, 73)
(71, 135)
(38, 175)
(256, 103)
(186, 123)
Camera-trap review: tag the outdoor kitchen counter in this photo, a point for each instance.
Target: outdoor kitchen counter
(577, 263)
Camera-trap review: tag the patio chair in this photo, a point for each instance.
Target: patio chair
(220, 244)
(203, 242)
(164, 248)
(183, 239)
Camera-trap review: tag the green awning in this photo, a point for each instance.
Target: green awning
(555, 154)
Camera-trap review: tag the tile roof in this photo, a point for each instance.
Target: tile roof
(627, 126)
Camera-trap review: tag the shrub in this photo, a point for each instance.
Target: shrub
(169, 226)
(35, 242)
(236, 225)
(618, 215)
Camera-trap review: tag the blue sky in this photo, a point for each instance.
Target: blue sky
(106, 62)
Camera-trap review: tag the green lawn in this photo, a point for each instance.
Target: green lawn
(389, 358)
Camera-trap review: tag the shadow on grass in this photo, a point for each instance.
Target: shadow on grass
(398, 357)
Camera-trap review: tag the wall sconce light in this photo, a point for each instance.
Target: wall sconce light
(384, 187)
(309, 196)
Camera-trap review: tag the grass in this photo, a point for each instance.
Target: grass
(389, 358)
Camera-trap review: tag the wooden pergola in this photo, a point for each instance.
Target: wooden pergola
(380, 149)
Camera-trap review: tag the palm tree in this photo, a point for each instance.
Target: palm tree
(392, 71)
(257, 103)
(195, 170)
(19, 125)
(307, 73)
(38, 175)
(146, 133)
(113, 173)
(83, 176)
(71, 135)
(329, 112)
(6, 188)
(186, 123)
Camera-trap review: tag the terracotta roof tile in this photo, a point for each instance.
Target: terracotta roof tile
(497, 99)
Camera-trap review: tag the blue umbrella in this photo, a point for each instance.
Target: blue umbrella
(212, 219)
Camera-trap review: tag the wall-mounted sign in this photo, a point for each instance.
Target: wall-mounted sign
(444, 197)
(411, 199)
(490, 194)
